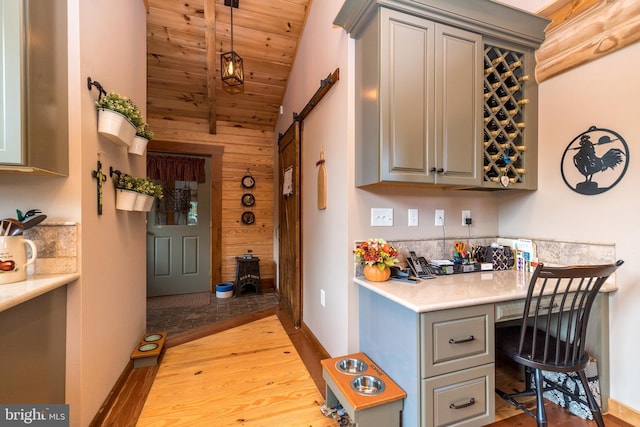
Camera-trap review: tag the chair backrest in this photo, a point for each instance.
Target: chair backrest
(559, 302)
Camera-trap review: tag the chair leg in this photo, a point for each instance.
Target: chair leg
(541, 415)
(593, 405)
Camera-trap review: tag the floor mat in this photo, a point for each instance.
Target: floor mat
(183, 300)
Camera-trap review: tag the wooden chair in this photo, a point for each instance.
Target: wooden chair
(551, 336)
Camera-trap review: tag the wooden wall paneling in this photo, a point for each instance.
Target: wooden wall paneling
(583, 31)
(212, 60)
(243, 148)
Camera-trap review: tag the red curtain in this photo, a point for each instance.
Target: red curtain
(175, 168)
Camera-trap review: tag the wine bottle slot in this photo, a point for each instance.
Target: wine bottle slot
(521, 171)
(524, 78)
(496, 85)
(489, 70)
(523, 101)
(504, 99)
(521, 148)
(507, 74)
(521, 125)
(514, 88)
(487, 168)
(498, 60)
(512, 135)
(496, 109)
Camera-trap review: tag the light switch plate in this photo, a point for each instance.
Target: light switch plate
(381, 217)
(412, 219)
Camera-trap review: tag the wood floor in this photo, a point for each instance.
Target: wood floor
(128, 406)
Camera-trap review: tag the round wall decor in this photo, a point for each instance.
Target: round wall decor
(248, 181)
(595, 161)
(248, 199)
(248, 218)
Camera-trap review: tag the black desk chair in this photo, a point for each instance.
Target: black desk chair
(552, 336)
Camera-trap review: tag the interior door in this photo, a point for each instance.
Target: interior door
(289, 246)
(179, 239)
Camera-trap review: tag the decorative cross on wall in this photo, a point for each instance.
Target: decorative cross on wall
(100, 177)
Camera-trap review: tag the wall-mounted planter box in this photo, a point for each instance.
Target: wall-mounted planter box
(115, 127)
(138, 145)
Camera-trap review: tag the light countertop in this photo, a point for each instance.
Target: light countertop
(16, 293)
(457, 290)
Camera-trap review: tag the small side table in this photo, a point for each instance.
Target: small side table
(247, 276)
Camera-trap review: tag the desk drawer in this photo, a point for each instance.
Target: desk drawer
(463, 398)
(456, 339)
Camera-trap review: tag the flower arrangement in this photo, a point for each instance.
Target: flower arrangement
(376, 252)
(123, 105)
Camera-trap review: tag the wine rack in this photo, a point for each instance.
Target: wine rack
(504, 125)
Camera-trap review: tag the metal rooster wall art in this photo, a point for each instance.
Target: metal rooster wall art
(590, 167)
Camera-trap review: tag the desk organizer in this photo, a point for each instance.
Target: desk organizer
(365, 392)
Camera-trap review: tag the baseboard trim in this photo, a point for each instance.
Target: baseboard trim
(623, 412)
(324, 354)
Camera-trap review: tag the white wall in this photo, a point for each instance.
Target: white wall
(106, 307)
(602, 94)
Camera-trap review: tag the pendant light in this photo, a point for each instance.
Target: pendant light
(231, 68)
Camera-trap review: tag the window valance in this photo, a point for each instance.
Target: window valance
(175, 168)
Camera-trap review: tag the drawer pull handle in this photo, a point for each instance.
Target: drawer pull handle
(471, 401)
(455, 341)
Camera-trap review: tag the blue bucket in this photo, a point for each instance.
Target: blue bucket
(224, 290)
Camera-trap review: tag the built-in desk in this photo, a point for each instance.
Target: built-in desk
(401, 326)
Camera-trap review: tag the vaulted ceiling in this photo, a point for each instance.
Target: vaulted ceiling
(184, 41)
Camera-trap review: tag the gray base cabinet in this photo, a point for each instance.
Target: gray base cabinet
(443, 360)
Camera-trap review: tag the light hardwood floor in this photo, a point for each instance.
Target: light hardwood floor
(250, 375)
(127, 401)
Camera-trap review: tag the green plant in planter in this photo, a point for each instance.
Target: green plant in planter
(124, 182)
(123, 105)
(144, 131)
(148, 187)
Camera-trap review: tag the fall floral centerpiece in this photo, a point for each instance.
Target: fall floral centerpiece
(377, 256)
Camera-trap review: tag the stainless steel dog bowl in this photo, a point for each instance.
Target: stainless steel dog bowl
(351, 366)
(367, 385)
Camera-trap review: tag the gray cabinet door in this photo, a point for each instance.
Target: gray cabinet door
(430, 101)
(459, 77)
(406, 97)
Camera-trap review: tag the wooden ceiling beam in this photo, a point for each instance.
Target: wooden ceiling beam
(210, 43)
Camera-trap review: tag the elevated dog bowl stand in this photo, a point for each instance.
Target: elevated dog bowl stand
(371, 410)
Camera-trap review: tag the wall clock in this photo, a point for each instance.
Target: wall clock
(248, 218)
(248, 181)
(248, 199)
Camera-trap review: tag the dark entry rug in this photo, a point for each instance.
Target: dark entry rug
(201, 309)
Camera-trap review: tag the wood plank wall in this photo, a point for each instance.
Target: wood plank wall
(243, 149)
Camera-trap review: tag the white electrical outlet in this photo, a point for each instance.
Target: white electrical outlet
(412, 219)
(381, 217)
(439, 217)
(322, 297)
(465, 214)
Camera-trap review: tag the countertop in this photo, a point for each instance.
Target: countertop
(16, 293)
(458, 290)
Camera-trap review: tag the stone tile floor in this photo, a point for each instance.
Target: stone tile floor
(182, 313)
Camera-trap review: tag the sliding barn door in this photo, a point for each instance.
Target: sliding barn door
(289, 248)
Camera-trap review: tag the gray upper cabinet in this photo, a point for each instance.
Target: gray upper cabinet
(34, 135)
(421, 92)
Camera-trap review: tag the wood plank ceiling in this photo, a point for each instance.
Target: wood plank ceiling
(184, 42)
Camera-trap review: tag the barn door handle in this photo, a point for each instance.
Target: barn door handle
(471, 401)
(455, 341)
